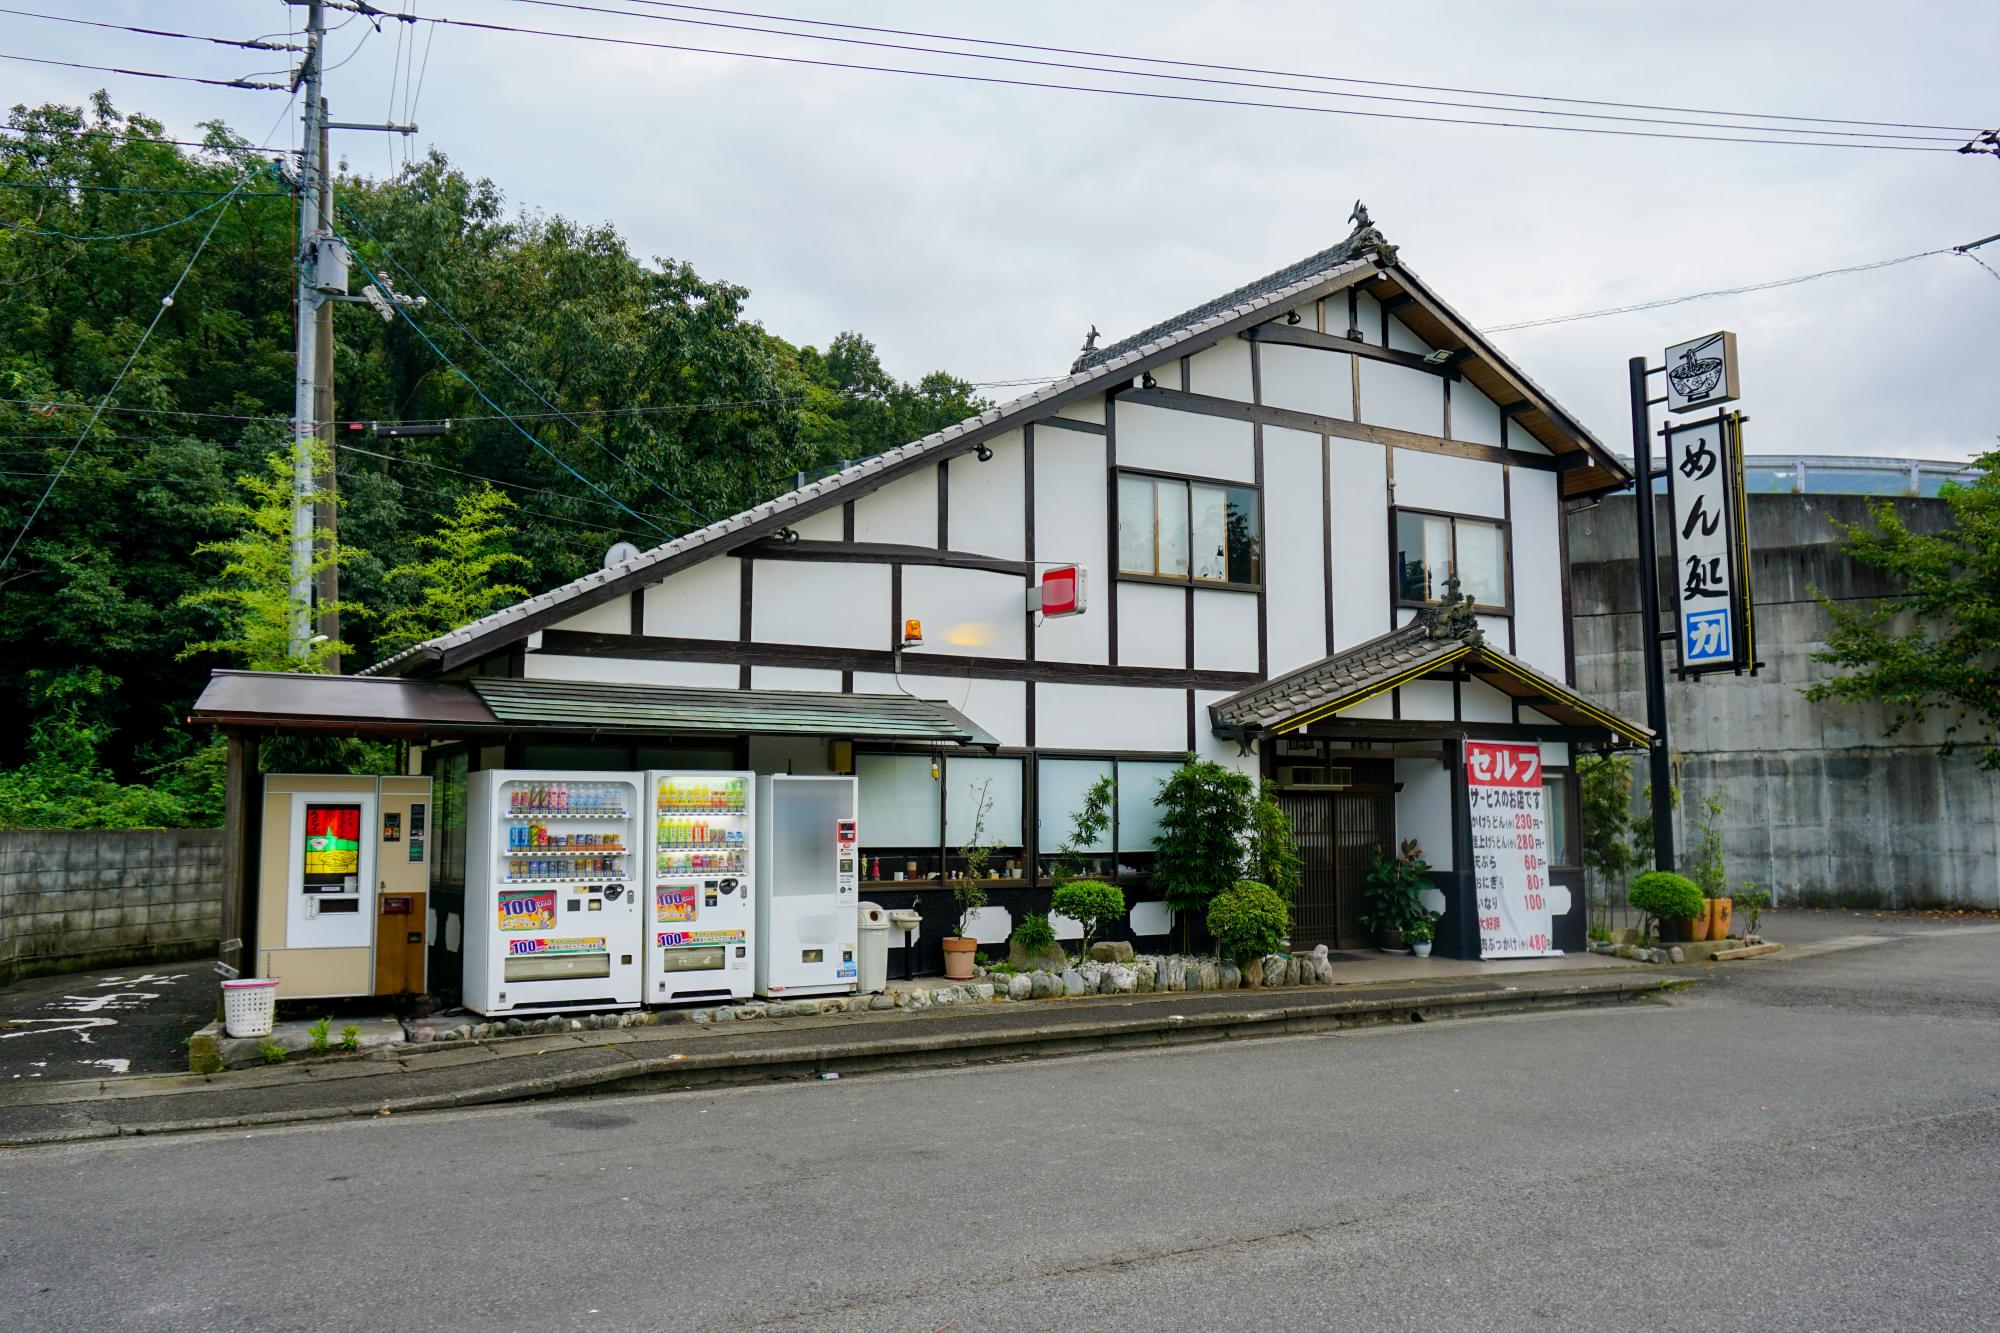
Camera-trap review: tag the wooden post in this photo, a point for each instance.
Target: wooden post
(242, 812)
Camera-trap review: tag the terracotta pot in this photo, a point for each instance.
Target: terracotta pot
(1724, 910)
(1704, 920)
(958, 952)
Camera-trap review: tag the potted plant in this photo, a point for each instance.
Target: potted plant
(1419, 933)
(1090, 903)
(969, 889)
(1752, 900)
(1671, 900)
(1393, 904)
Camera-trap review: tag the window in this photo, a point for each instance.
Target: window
(1135, 814)
(1176, 528)
(1430, 548)
(1555, 810)
(898, 815)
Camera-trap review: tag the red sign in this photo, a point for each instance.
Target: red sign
(1510, 866)
(1062, 591)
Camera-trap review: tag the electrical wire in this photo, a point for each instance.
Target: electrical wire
(120, 235)
(1188, 98)
(122, 139)
(1294, 74)
(143, 189)
(1209, 80)
(254, 44)
(150, 74)
(166, 303)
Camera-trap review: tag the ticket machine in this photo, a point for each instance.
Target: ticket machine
(343, 874)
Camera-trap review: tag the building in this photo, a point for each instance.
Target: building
(1268, 498)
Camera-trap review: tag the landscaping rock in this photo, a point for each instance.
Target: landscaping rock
(1253, 973)
(920, 999)
(1072, 982)
(1050, 958)
(780, 1009)
(1277, 968)
(1211, 975)
(1020, 986)
(515, 1027)
(1323, 970)
(1319, 953)
(1147, 974)
(1228, 976)
(1043, 985)
(746, 1012)
(1112, 951)
(1121, 980)
(1175, 970)
(881, 1002)
(1677, 954)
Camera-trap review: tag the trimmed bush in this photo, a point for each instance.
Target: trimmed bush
(1090, 902)
(1033, 933)
(1665, 895)
(1248, 919)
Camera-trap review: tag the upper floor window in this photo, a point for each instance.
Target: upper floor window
(1180, 528)
(1430, 548)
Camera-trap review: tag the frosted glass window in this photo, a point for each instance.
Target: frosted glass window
(1175, 529)
(898, 800)
(963, 779)
(1059, 790)
(1482, 563)
(802, 850)
(1430, 548)
(1171, 499)
(1135, 524)
(1211, 533)
(1139, 784)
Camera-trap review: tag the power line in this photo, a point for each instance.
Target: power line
(253, 44)
(1157, 96)
(1296, 74)
(68, 186)
(1210, 80)
(120, 235)
(149, 74)
(123, 138)
(166, 303)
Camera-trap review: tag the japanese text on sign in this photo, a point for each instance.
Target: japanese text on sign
(1708, 611)
(1510, 863)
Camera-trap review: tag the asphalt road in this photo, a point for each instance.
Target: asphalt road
(1809, 1144)
(116, 1020)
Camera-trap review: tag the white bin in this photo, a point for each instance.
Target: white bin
(250, 1007)
(872, 967)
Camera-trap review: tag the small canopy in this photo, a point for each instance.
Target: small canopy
(1440, 641)
(496, 705)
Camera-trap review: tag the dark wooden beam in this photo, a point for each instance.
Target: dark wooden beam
(1388, 729)
(878, 553)
(1068, 423)
(1300, 336)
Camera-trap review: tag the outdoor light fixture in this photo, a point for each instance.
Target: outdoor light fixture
(1439, 357)
(788, 536)
(1292, 317)
(982, 453)
(1147, 381)
(913, 633)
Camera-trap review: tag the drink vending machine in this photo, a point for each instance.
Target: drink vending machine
(552, 895)
(808, 877)
(701, 913)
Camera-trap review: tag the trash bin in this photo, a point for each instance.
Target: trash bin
(872, 967)
(250, 1007)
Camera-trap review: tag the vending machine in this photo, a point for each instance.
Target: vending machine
(808, 876)
(701, 913)
(552, 913)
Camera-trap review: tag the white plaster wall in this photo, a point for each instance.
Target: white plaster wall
(1151, 918)
(966, 612)
(795, 678)
(1225, 630)
(1427, 701)
(1152, 625)
(1367, 315)
(1519, 438)
(1171, 441)
(1474, 416)
(612, 617)
(1499, 630)
(1110, 717)
(1307, 379)
(1072, 508)
(1423, 808)
(700, 602)
(1538, 609)
(1379, 707)
(1454, 485)
(1208, 745)
(998, 706)
(842, 606)
(1360, 543)
(1221, 371)
(828, 525)
(625, 671)
(986, 499)
(1402, 340)
(1401, 397)
(1480, 702)
(1294, 543)
(904, 511)
(1083, 409)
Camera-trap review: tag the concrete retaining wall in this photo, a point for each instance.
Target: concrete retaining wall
(78, 898)
(1824, 805)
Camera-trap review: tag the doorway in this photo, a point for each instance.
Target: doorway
(1337, 833)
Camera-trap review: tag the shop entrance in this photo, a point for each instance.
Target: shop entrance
(1337, 832)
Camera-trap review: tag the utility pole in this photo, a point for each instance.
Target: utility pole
(1661, 767)
(305, 397)
(326, 515)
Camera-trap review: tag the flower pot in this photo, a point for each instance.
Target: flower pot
(1391, 941)
(1702, 921)
(958, 952)
(1725, 911)
(1421, 948)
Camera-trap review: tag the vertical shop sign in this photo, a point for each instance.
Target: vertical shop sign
(1710, 565)
(1510, 849)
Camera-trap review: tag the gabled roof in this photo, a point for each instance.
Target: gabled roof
(1362, 258)
(1430, 643)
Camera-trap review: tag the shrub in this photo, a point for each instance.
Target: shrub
(1033, 933)
(1274, 851)
(1394, 883)
(1247, 919)
(1090, 902)
(1751, 901)
(1205, 825)
(1665, 895)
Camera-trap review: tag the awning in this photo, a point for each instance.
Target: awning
(390, 706)
(1431, 645)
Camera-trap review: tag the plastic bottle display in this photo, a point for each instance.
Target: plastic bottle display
(688, 836)
(538, 850)
(570, 799)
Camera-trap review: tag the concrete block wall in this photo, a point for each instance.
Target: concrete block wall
(77, 898)
(1824, 805)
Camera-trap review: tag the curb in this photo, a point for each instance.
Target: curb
(813, 1054)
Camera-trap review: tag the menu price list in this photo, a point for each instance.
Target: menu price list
(1509, 849)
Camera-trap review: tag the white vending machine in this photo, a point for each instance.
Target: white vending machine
(700, 903)
(808, 878)
(553, 919)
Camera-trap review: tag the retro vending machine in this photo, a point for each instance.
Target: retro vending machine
(808, 875)
(552, 910)
(700, 904)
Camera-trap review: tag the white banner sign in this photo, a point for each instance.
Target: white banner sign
(1709, 619)
(1510, 849)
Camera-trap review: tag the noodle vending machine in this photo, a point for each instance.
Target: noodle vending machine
(552, 894)
(808, 879)
(700, 907)
(342, 884)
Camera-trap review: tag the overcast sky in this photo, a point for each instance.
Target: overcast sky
(981, 229)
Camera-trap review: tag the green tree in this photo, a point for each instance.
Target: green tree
(1205, 823)
(459, 583)
(1274, 850)
(1931, 648)
(1088, 823)
(253, 599)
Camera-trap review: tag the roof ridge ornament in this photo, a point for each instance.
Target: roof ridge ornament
(1367, 236)
(1452, 617)
(1088, 350)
